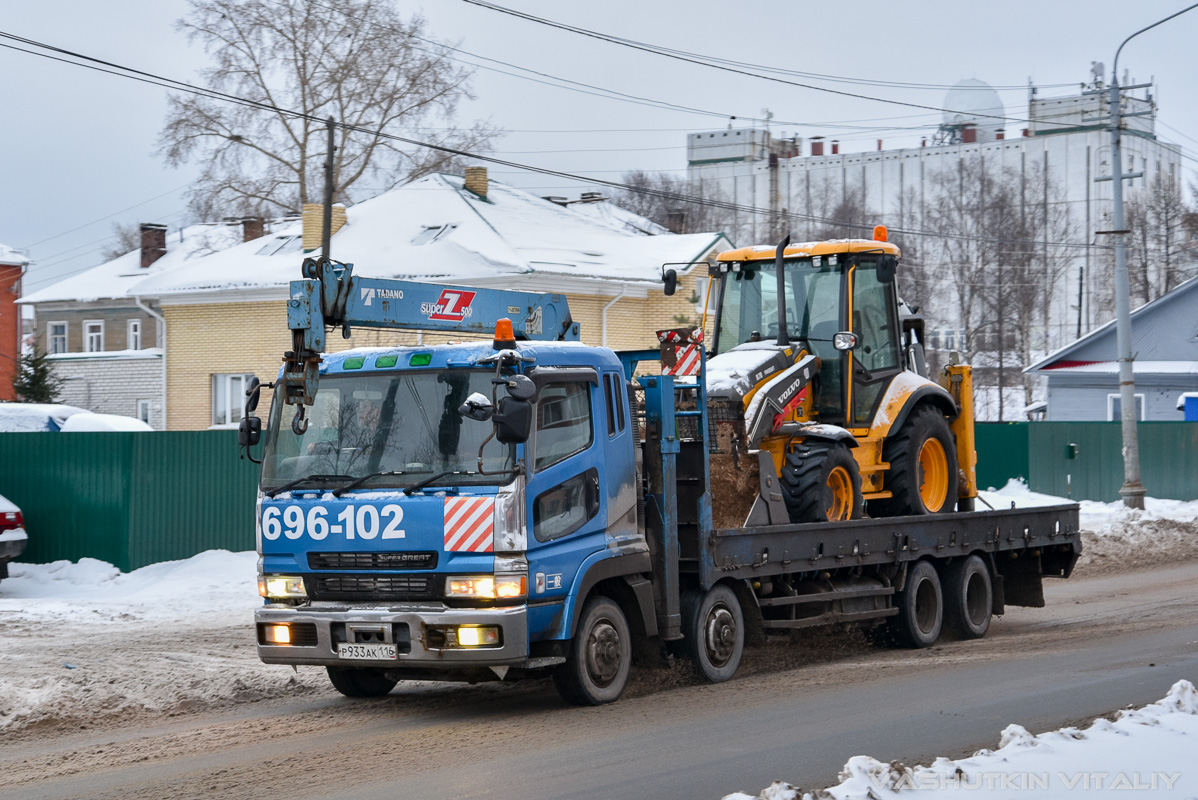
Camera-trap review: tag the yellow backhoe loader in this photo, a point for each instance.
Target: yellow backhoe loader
(816, 361)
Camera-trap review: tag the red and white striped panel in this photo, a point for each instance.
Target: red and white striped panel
(688, 361)
(689, 357)
(469, 524)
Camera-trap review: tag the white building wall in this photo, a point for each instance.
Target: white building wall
(112, 385)
(814, 185)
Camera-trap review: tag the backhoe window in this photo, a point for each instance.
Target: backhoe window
(812, 305)
(396, 422)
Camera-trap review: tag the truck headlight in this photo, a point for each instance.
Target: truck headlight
(487, 587)
(281, 586)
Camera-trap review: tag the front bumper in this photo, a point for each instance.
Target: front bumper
(331, 627)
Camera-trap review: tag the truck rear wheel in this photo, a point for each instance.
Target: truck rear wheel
(921, 608)
(360, 682)
(968, 598)
(923, 467)
(600, 655)
(821, 483)
(714, 627)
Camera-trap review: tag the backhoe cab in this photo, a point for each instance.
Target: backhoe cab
(815, 363)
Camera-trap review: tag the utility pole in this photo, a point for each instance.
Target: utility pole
(326, 228)
(1132, 490)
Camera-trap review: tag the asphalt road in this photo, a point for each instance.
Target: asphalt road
(797, 712)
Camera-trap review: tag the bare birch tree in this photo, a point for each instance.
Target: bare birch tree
(356, 61)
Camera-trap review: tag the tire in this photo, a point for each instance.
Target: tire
(599, 657)
(820, 483)
(360, 682)
(921, 608)
(923, 467)
(968, 598)
(714, 629)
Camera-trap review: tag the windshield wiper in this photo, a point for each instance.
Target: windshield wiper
(305, 479)
(418, 486)
(340, 490)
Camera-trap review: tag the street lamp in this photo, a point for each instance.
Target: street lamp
(1132, 490)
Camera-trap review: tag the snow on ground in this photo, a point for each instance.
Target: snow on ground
(82, 641)
(1150, 749)
(1114, 537)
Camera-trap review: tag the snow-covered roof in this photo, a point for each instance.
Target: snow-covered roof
(149, 352)
(11, 257)
(113, 279)
(617, 217)
(1138, 368)
(433, 229)
(1177, 294)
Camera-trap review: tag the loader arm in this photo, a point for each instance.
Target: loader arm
(330, 296)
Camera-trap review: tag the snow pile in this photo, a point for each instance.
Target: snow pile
(83, 641)
(1146, 749)
(1115, 537)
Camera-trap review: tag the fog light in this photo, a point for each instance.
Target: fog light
(478, 637)
(278, 634)
(284, 586)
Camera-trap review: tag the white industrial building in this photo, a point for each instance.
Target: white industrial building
(1064, 136)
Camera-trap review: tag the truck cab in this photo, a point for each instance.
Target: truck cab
(424, 544)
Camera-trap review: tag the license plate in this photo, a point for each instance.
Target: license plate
(366, 652)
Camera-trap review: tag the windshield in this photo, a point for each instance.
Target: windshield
(751, 303)
(395, 422)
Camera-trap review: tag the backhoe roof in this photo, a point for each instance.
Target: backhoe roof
(765, 252)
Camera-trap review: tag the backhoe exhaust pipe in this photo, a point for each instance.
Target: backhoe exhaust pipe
(783, 333)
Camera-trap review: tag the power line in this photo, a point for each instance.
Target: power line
(109, 216)
(171, 83)
(658, 50)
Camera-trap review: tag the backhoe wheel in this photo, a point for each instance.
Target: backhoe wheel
(968, 598)
(714, 629)
(923, 467)
(921, 608)
(360, 682)
(600, 655)
(820, 483)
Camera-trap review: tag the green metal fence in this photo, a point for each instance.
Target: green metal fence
(136, 498)
(1084, 460)
(129, 498)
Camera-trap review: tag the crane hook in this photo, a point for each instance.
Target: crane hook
(300, 423)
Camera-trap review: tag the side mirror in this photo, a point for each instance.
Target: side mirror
(887, 265)
(249, 431)
(521, 387)
(253, 393)
(477, 407)
(513, 422)
(844, 340)
(670, 279)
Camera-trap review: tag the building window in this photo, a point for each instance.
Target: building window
(93, 336)
(58, 337)
(133, 340)
(228, 397)
(1114, 407)
(143, 411)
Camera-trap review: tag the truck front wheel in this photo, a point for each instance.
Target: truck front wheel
(359, 682)
(600, 655)
(714, 626)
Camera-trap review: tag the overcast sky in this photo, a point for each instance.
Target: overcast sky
(77, 147)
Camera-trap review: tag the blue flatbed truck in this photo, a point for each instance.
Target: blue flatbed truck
(527, 504)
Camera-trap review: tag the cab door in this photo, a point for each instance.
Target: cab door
(876, 359)
(567, 507)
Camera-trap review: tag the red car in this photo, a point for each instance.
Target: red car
(12, 534)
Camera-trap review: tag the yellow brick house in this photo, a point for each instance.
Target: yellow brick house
(225, 313)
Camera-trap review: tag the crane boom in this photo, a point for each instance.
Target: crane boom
(330, 295)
